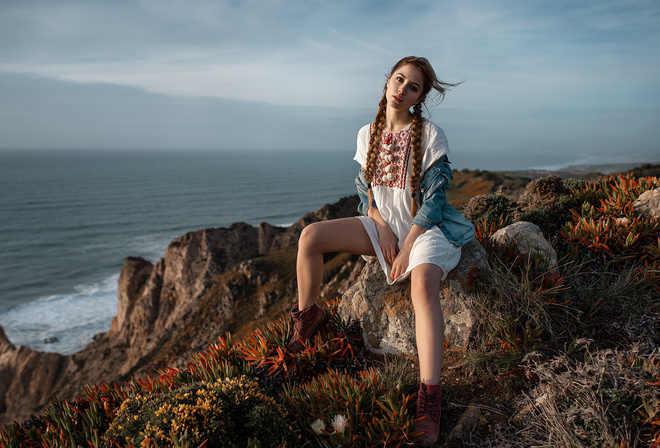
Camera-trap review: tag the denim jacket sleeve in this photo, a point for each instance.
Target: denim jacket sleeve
(434, 208)
(432, 194)
(363, 193)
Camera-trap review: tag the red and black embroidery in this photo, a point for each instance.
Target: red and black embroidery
(393, 157)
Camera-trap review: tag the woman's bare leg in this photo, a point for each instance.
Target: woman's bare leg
(429, 322)
(339, 235)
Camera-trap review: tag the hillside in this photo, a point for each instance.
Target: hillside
(539, 333)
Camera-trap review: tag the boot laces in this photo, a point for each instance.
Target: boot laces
(298, 325)
(303, 321)
(430, 403)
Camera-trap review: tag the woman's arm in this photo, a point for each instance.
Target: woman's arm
(401, 262)
(388, 242)
(432, 194)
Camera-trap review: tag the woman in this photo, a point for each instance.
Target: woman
(406, 223)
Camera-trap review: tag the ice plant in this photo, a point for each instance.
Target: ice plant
(265, 348)
(377, 410)
(607, 225)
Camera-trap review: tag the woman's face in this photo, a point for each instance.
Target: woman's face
(404, 87)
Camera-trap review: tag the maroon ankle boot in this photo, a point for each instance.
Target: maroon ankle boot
(428, 406)
(306, 323)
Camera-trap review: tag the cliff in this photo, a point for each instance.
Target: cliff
(208, 282)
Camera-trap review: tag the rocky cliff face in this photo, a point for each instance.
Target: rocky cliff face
(208, 282)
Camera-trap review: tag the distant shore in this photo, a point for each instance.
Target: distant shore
(576, 170)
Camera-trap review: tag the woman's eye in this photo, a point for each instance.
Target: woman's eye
(414, 88)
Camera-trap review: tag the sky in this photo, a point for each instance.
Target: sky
(545, 83)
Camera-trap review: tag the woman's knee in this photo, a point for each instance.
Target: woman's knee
(310, 237)
(425, 284)
(339, 235)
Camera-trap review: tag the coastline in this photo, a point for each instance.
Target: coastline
(58, 337)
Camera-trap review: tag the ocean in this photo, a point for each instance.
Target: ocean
(68, 218)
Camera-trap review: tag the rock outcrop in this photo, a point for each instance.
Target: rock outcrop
(648, 204)
(527, 240)
(387, 314)
(27, 376)
(208, 282)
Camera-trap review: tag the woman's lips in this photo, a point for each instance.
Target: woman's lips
(397, 99)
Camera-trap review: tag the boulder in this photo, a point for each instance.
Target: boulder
(467, 423)
(647, 204)
(527, 240)
(457, 293)
(387, 314)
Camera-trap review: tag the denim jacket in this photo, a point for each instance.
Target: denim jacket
(434, 208)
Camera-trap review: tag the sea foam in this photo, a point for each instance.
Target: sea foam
(63, 323)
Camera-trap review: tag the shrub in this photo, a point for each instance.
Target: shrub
(547, 203)
(227, 412)
(550, 218)
(489, 208)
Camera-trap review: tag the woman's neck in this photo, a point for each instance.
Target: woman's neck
(395, 120)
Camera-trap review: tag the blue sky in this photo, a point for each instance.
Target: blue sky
(546, 83)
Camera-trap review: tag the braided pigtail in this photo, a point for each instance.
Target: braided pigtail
(416, 147)
(374, 144)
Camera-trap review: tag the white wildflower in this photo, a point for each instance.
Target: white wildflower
(318, 426)
(339, 423)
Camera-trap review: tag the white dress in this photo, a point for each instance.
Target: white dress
(391, 191)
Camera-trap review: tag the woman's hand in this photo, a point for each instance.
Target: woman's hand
(400, 263)
(402, 260)
(388, 242)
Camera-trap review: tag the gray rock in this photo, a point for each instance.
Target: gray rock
(387, 314)
(527, 239)
(648, 204)
(466, 424)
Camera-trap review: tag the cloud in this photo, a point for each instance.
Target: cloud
(281, 52)
(289, 60)
(96, 116)
(252, 52)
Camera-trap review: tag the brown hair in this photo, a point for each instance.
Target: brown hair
(431, 81)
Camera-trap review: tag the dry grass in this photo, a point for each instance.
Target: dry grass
(592, 402)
